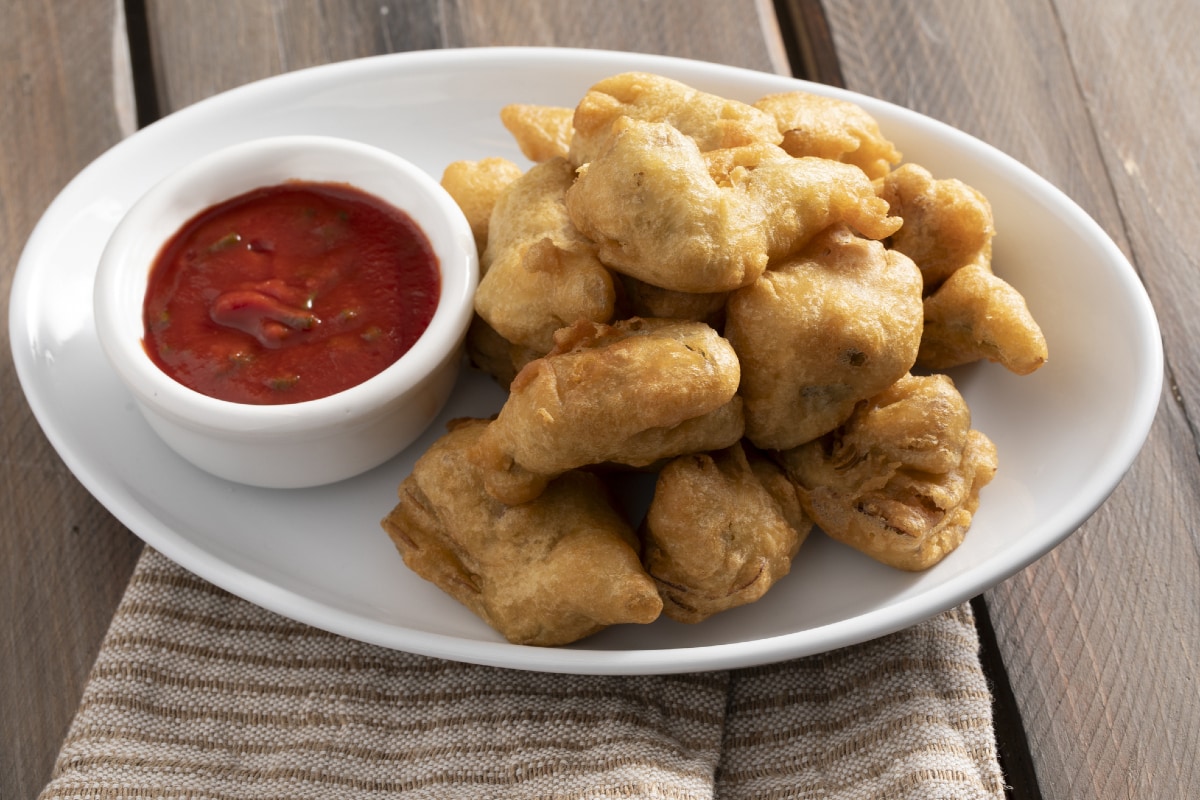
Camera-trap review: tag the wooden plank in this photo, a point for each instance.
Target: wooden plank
(1136, 67)
(808, 41)
(64, 560)
(1102, 637)
(201, 48)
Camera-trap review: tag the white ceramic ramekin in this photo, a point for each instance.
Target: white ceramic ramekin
(317, 441)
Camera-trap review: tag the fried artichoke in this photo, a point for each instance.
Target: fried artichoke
(835, 325)
(629, 393)
(548, 572)
(900, 480)
(722, 529)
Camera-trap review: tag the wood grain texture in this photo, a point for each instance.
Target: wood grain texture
(200, 48)
(64, 560)
(809, 41)
(1101, 638)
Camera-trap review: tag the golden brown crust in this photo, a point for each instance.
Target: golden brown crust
(541, 132)
(655, 213)
(539, 273)
(548, 572)
(711, 121)
(651, 204)
(475, 186)
(722, 529)
(629, 393)
(641, 299)
(947, 224)
(900, 480)
(819, 333)
(826, 127)
(974, 314)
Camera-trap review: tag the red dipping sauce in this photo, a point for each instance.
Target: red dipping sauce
(289, 293)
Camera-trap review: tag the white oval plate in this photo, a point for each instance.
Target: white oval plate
(1065, 434)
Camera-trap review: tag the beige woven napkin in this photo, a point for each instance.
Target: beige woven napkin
(198, 694)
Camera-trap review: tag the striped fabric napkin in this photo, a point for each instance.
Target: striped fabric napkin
(198, 694)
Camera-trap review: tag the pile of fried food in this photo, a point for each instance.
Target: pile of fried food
(755, 302)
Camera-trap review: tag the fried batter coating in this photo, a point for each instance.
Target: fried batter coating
(542, 132)
(712, 122)
(629, 393)
(728, 166)
(655, 212)
(900, 480)
(722, 528)
(833, 326)
(475, 186)
(974, 314)
(540, 274)
(548, 572)
(801, 197)
(827, 127)
(643, 299)
(947, 224)
(970, 313)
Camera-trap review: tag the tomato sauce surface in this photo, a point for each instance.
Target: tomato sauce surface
(289, 293)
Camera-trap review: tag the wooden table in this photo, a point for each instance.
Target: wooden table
(1094, 650)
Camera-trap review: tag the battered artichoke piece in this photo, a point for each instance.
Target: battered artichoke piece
(540, 274)
(656, 214)
(827, 127)
(475, 187)
(970, 313)
(973, 315)
(947, 224)
(542, 132)
(900, 480)
(548, 572)
(653, 208)
(815, 335)
(711, 121)
(722, 529)
(629, 393)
